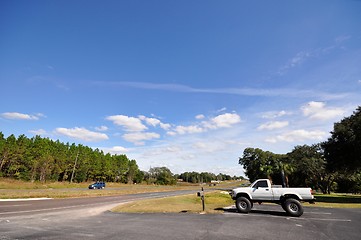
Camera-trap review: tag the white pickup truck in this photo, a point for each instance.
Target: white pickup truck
(262, 191)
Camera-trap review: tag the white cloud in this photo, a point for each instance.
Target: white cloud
(273, 125)
(150, 121)
(208, 147)
(188, 129)
(115, 150)
(102, 128)
(138, 138)
(165, 126)
(298, 59)
(298, 135)
(221, 110)
(130, 124)
(200, 116)
(21, 116)
(226, 120)
(342, 38)
(154, 122)
(81, 134)
(221, 121)
(275, 114)
(319, 111)
(38, 132)
(171, 133)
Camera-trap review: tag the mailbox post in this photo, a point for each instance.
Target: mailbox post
(201, 195)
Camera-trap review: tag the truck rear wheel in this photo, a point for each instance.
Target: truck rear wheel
(243, 205)
(293, 207)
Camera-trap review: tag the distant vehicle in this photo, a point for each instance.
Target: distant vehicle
(262, 191)
(97, 185)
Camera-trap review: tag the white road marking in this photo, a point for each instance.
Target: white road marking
(323, 219)
(324, 213)
(23, 199)
(17, 205)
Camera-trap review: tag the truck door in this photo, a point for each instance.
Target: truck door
(261, 191)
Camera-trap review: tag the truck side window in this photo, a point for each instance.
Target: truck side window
(262, 184)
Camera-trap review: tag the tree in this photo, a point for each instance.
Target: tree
(260, 164)
(162, 176)
(42, 159)
(343, 148)
(132, 171)
(310, 168)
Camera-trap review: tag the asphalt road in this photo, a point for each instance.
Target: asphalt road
(94, 222)
(26, 207)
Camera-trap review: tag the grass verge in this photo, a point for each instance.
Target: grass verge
(10, 188)
(337, 201)
(214, 202)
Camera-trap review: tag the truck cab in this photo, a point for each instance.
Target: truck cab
(262, 190)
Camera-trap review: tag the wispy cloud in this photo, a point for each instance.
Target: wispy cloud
(48, 80)
(21, 116)
(302, 56)
(41, 132)
(275, 114)
(298, 59)
(273, 125)
(262, 92)
(342, 38)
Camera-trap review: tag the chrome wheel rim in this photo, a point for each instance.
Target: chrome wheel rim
(293, 207)
(243, 205)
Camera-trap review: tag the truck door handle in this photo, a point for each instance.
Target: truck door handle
(267, 189)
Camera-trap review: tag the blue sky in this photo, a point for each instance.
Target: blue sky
(182, 84)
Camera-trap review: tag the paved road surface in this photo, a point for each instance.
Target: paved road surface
(264, 222)
(20, 208)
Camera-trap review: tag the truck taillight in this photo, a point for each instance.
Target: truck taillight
(312, 191)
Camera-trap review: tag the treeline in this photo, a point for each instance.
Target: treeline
(205, 177)
(43, 159)
(333, 165)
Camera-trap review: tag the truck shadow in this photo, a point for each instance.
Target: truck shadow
(256, 211)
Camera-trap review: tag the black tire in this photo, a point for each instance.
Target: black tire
(283, 205)
(293, 207)
(243, 205)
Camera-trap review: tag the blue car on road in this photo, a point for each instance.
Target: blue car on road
(97, 185)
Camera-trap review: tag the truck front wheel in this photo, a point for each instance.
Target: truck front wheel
(243, 205)
(293, 207)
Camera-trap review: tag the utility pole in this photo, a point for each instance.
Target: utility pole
(72, 174)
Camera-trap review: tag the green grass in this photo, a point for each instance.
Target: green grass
(10, 188)
(338, 200)
(214, 202)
